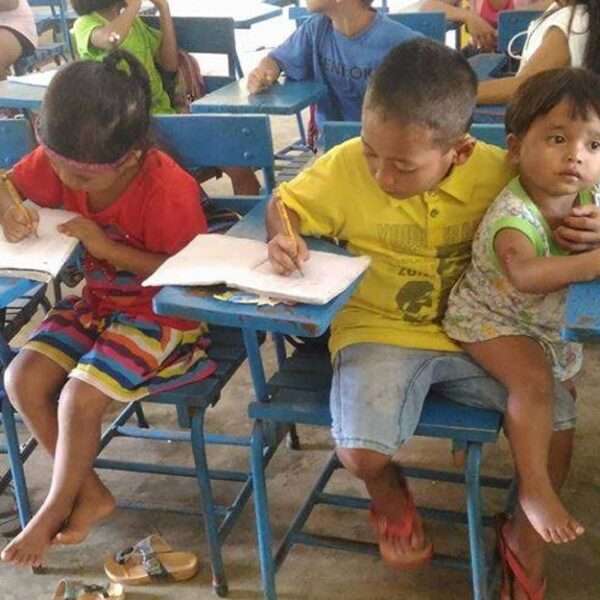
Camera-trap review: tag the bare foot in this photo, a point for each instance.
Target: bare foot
(93, 504)
(548, 516)
(28, 548)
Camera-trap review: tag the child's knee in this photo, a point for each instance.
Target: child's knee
(81, 401)
(362, 463)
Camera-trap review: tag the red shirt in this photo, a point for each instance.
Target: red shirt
(159, 212)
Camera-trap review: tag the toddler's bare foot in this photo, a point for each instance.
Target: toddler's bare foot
(93, 504)
(28, 548)
(548, 516)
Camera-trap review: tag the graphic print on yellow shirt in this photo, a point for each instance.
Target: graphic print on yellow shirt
(419, 246)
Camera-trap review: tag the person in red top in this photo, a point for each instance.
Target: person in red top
(135, 208)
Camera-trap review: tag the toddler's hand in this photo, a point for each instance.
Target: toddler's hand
(580, 231)
(17, 226)
(286, 254)
(89, 234)
(259, 80)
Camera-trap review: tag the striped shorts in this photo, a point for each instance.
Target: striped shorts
(124, 357)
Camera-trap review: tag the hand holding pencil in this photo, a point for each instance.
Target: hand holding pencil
(287, 250)
(18, 221)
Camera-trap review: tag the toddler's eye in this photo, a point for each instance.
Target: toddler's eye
(595, 145)
(557, 139)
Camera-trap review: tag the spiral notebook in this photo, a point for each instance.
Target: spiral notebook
(240, 263)
(40, 258)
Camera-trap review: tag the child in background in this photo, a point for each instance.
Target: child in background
(508, 309)
(410, 194)
(137, 207)
(340, 46)
(107, 24)
(18, 36)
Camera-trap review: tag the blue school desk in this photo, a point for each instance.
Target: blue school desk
(285, 98)
(21, 96)
(298, 393)
(582, 314)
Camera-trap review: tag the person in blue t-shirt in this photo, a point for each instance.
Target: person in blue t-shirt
(341, 45)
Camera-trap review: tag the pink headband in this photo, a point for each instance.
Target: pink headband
(81, 166)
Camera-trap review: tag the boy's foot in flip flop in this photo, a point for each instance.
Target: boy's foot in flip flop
(29, 547)
(94, 503)
(548, 516)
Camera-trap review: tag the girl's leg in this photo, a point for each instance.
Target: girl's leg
(520, 364)
(80, 411)
(10, 51)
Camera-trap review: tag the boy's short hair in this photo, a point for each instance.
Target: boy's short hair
(428, 84)
(85, 7)
(540, 93)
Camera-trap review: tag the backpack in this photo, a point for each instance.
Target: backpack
(187, 84)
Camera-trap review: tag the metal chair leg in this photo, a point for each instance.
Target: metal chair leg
(140, 416)
(219, 581)
(15, 461)
(263, 525)
(474, 515)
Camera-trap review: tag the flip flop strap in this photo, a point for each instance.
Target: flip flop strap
(148, 556)
(76, 589)
(401, 528)
(518, 571)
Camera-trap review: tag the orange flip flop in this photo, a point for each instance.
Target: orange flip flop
(388, 532)
(513, 572)
(150, 560)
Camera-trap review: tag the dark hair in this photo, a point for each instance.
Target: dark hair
(96, 111)
(426, 83)
(85, 7)
(540, 93)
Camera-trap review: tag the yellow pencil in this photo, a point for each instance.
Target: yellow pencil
(17, 200)
(285, 219)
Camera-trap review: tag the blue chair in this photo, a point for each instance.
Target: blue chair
(512, 32)
(59, 49)
(299, 394)
(200, 140)
(207, 35)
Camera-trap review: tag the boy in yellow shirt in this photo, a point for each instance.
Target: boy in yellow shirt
(409, 193)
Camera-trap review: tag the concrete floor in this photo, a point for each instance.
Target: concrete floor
(311, 574)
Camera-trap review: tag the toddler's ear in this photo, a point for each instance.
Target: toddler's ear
(463, 149)
(513, 145)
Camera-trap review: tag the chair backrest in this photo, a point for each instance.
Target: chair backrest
(198, 141)
(206, 35)
(16, 140)
(512, 23)
(430, 24)
(59, 10)
(337, 132)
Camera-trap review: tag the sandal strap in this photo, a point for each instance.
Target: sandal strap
(401, 528)
(144, 550)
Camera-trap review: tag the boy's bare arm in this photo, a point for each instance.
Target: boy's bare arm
(112, 34)
(541, 274)
(167, 56)
(264, 75)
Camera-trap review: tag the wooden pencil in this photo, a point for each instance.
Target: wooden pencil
(17, 200)
(285, 219)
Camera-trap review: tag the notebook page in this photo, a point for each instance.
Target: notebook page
(324, 276)
(45, 254)
(209, 259)
(40, 78)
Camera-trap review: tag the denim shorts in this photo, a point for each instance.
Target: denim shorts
(378, 390)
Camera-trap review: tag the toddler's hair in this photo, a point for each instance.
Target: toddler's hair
(540, 93)
(85, 7)
(95, 112)
(425, 83)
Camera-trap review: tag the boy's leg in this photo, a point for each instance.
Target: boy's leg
(520, 364)
(80, 411)
(521, 537)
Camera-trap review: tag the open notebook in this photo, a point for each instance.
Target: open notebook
(40, 258)
(39, 78)
(211, 258)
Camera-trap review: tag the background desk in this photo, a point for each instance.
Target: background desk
(582, 315)
(20, 96)
(286, 98)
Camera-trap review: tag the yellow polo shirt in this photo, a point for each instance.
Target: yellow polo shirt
(418, 246)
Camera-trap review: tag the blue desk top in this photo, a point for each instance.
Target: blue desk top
(11, 289)
(281, 99)
(487, 64)
(582, 315)
(298, 320)
(18, 95)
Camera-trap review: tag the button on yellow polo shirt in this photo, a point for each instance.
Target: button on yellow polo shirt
(418, 246)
